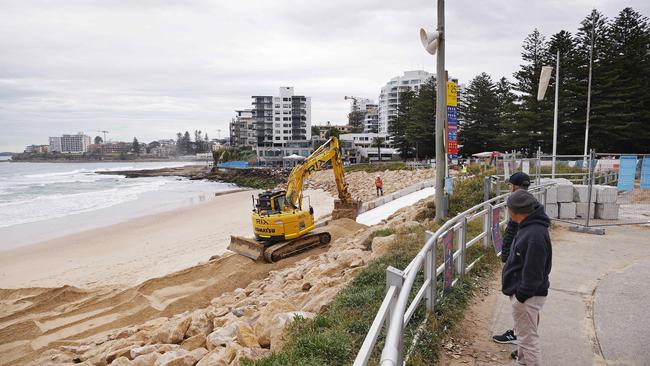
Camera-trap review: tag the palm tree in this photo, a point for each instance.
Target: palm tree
(377, 142)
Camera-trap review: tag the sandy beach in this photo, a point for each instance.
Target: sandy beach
(134, 251)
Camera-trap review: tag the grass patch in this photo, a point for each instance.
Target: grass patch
(377, 167)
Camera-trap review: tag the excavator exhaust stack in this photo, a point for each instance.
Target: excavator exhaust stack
(346, 209)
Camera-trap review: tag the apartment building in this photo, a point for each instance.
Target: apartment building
(323, 129)
(242, 129)
(276, 126)
(37, 149)
(360, 147)
(389, 96)
(70, 144)
(371, 118)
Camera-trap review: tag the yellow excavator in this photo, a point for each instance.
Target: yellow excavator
(282, 228)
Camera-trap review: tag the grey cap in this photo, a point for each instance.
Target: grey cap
(521, 201)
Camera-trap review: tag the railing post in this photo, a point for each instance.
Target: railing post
(487, 225)
(430, 273)
(462, 236)
(395, 277)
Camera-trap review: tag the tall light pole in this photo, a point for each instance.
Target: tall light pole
(591, 57)
(557, 90)
(435, 42)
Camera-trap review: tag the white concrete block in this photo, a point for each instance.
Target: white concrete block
(565, 193)
(607, 211)
(567, 210)
(606, 194)
(581, 193)
(581, 210)
(551, 210)
(551, 195)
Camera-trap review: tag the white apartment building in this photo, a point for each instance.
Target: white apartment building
(389, 95)
(55, 144)
(359, 147)
(282, 126)
(71, 144)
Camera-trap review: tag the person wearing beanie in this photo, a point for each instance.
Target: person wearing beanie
(525, 275)
(517, 181)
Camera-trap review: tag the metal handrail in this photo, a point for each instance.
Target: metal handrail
(395, 311)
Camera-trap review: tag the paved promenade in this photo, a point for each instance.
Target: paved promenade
(597, 309)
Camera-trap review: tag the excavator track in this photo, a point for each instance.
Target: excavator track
(292, 247)
(256, 250)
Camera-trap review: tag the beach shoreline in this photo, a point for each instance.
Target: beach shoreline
(130, 252)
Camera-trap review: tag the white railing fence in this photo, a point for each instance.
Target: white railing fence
(395, 312)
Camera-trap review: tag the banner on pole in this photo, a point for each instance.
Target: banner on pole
(448, 245)
(497, 242)
(626, 172)
(452, 120)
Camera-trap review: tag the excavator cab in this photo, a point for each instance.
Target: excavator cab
(268, 202)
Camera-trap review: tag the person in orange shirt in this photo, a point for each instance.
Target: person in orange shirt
(378, 183)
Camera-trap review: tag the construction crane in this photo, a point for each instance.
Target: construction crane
(104, 132)
(282, 228)
(355, 102)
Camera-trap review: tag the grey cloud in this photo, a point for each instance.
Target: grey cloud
(150, 68)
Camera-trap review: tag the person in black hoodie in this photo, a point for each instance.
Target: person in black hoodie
(525, 274)
(519, 180)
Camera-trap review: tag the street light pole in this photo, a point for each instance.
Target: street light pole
(557, 90)
(591, 57)
(441, 112)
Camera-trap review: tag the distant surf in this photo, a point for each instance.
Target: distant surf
(34, 192)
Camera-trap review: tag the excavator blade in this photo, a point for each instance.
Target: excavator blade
(250, 248)
(346, 209)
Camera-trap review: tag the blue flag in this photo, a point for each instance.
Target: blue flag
(645, 173)
(626, 172)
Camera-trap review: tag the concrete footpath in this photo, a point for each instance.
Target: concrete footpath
(595, 313)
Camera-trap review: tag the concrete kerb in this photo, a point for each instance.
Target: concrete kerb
(395, 195)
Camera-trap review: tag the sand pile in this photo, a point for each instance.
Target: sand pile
(163, 322)
(362, 184)
(88, 325)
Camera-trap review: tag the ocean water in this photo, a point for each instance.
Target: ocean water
(40, 201)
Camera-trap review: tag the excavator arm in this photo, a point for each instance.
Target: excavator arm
(328, 152)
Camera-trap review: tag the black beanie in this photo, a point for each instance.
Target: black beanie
(520, 179)
(521, 202)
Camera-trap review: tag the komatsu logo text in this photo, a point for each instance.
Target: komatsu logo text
(267, 230)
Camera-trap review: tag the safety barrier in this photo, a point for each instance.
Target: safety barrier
(395, 312)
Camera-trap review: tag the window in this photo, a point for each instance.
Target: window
(286, 131)
(276, 99)
(285, 106)
(277, 137)
(285, 99)
(277, 118)
(277, 112)
(286, 119)
(285, 138)
(277, 106)
(277, 131)
(277, 124)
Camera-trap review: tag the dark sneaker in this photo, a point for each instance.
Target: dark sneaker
(514, 355)
(507, 337)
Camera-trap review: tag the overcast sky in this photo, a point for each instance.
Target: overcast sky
(150, 68)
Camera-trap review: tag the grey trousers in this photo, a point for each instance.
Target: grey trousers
(526, 319)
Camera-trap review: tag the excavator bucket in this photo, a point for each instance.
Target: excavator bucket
(346, 209)
(250, 248)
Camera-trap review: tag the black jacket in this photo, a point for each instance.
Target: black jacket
(508, 237)
(526, 271)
